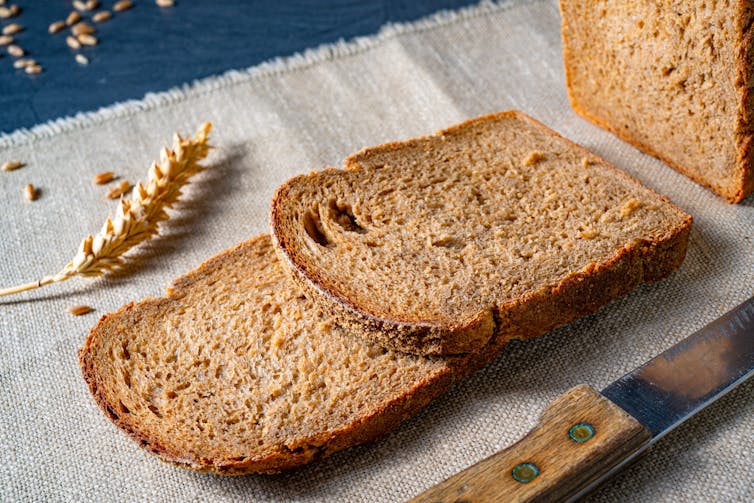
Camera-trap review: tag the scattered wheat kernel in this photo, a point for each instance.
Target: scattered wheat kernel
(79, 310)
(23, 63)
(30, 192)
(82, 28)
(56, 26)
(102, 16)
(12, 29)
(87, 39)
(122, 5)
(92, 4)
(118, 191)
(72, 42)
(33, 69)
(81, 59)
(8, 12)
(79, 5)
(6, 39)
(103, 178)
(15, 51)
(72, 18)
(11, 165)
(164, 3)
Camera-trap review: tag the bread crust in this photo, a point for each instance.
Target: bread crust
(743, 119)
(379, 420)
(576, 295)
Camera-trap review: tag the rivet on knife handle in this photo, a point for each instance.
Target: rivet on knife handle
(580, 436)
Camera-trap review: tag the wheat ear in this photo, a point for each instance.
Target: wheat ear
(136, 218)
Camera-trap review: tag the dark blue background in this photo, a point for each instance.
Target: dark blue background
(152, 49)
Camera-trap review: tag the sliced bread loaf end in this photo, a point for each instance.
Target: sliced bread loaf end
(234, 372)
(496, 226)
(672, 78)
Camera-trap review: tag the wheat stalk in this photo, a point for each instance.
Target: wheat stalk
(136, 219)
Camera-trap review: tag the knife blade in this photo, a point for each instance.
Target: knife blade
(585, 436)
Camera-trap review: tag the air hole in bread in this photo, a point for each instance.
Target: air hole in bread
(448, 242)
(154, 410)
(313, 229)
(342, 214)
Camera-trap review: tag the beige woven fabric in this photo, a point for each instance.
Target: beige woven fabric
(308, 112)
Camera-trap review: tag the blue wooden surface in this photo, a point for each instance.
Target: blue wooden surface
(150, 49)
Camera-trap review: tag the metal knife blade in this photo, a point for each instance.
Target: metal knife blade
(676, 384)
(584, 436)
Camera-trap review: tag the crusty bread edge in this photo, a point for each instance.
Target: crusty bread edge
(368, 428)
(471, 334)
(745, 116)
(745, 150)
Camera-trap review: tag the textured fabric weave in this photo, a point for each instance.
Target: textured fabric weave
(308, 112)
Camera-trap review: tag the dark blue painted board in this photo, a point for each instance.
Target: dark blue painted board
(150, 49)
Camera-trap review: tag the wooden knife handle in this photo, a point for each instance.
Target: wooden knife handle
(580, 436)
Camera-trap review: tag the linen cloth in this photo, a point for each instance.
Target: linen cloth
(308, 112)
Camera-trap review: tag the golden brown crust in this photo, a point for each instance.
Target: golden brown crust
(379, 420)
(745, 115)
(542, 311)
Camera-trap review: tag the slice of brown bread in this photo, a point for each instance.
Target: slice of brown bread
(497, 225)
(235, 372)
(672, 78)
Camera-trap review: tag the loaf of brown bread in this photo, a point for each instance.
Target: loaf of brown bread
(673, 78)
(496, 226)
(235, 372)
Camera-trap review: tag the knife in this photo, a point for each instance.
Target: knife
(584, 436)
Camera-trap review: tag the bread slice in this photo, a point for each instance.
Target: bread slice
(672, 78)
(497, 226)
(235, 372)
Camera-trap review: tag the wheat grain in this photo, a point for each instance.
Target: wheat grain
(81, 59)
(72, 42)
(6, 39)
(137, 218)
(102, 16)
(103, 178)
(12, 165)
(15, 51)
(23, 63)
(122, 5)
(92, 4)
(82, 28)
(87, 39)
(80, 310)
(15, 10)
(73, 18)
(33, 69)
(30, 193)
(12, 29)
(165, 3)
(5, 13)
(79, 5)
(56, 27)
(118, 191)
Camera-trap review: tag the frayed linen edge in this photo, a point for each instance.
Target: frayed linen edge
(280, 65)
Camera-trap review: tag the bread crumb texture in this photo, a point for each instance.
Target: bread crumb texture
(672, 78)
(476, 219)
(234, 371)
